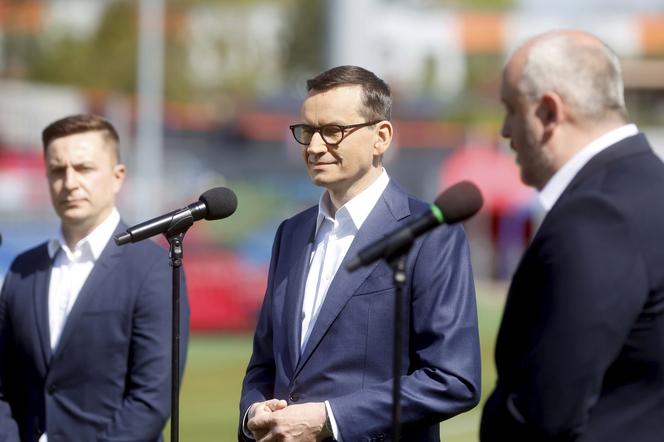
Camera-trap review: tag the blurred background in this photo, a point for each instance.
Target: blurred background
(202, 93)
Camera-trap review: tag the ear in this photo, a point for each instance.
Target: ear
(119, 171)
(383, 137)
(550, 111)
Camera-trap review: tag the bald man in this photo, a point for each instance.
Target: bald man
(580, 351)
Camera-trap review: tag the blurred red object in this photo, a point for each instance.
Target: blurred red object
(225, 293)
(493, 171)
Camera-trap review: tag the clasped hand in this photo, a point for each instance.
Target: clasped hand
(275, 420)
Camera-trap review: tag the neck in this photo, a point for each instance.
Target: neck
(341, 195)
(74, 234)
(73, 231)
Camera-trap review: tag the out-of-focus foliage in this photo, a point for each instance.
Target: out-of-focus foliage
(304, 32)
(478, 104)
(107, 60)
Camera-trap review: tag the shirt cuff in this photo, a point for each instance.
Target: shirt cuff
(333, 423)
(513, 410)
(245, 430)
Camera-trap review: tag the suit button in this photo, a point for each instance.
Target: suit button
(52, 388)
(294, 397)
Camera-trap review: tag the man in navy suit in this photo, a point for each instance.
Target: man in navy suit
(580, 351)
(85, 324)
(323, 349)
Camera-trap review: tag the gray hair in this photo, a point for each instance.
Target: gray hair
(587, 76)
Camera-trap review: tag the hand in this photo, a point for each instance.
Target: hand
(259, 409)
(295, 423)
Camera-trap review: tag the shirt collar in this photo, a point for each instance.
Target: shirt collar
(358, 208)
(96, 240)
(561, 179)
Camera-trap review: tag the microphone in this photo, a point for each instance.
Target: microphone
(455, 204)
(216, 203)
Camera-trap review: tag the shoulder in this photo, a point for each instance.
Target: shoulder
(24, 268)
(304, 215)
(31, 260)
(588, 221)
(302, 218)
(143, 253)
(141, 250)
(620, 170)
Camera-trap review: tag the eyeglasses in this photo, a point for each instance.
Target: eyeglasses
(332, 134)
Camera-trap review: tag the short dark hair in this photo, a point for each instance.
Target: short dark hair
(376, 95)
(81, 123)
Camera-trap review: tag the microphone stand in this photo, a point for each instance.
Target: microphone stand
(398, 264)
(175, 235)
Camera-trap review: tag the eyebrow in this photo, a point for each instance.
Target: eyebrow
(332, 123)
(56, 165)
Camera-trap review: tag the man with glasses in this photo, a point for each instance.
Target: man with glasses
(322, 359)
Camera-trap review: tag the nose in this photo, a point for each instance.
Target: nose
(506, 130)
(71, 179)
(317, 144)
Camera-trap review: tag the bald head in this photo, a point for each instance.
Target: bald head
(578, 67)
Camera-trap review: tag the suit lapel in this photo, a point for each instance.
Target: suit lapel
(297, 277)
(92, 287)
(40, 297)
(390, 208)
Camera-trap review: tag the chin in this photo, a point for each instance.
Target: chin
(74, 217)
(319, 179)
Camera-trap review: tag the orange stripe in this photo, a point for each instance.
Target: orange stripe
(21, 17)
(482, 32)
(652, 34)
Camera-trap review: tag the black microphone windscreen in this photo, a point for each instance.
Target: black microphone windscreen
(459, 202)
(220, 202)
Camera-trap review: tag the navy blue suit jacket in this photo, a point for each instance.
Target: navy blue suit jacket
(109, 377)
(580, 351)
(348, 357)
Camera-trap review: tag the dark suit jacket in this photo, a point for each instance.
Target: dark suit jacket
(109, 377)
(580, 352)
(348, 356)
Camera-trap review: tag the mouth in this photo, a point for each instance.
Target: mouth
(321, 164)
(71, 202)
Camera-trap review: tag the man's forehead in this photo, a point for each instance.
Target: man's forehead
(341, 100)
(81, 146)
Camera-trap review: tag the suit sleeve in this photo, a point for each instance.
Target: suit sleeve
(444, 366)
(592, 286)
(146, 406)
(258, 384)
(8, 426)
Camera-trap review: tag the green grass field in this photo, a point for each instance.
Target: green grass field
(216, 364)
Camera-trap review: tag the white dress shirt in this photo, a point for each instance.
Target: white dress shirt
(561, 179)
(334, 235)
(70, 270)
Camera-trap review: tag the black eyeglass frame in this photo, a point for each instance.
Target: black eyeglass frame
(343, 128)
